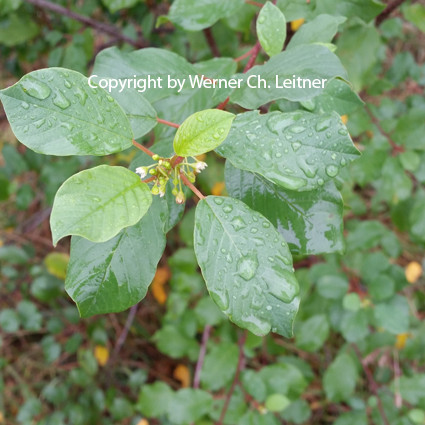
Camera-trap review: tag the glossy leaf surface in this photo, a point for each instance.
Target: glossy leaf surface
(54, 111)
(271, 29)
(311, 222)
(298, 150)
(304, 61)
(202, 132)
(247, 266)
(114, 275)
(97, 203)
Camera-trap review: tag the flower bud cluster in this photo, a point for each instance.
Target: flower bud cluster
(166, 169)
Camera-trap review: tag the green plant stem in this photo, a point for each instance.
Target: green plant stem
(192, 187)
(170, 124)
(241, 361)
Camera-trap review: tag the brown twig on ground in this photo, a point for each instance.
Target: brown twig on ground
(385, 14)
(373, 386)
(99, 26)
(396, 149)
(241, 361)
(201, 357)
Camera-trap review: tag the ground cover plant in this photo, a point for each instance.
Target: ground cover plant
(247, 178)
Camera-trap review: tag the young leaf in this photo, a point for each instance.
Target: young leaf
(298, 150)
(195, 15)
(247, 266)
(308, 61)
(97, 203)
(311, 222)
(202, 132)
(271, 29)
(54, 111)
(115, 5)
(114, 275)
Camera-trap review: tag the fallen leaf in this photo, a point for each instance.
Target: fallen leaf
(413, 272)
(182, 374)
(101, 354)
(296, 24)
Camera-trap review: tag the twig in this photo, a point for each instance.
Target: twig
(245, 55)
(373, 386)
(385, 14)
(254, 3)
(239, 367)
(100, 26)
(170, 124)
(143, 148)
(195, 190)
(395, 147)
(211, 42)
(201, 357)
(124, 333)
(254, 53)
(398, 401)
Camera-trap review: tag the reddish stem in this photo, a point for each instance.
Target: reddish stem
(245, 55)
(201, 357)
(254, 53)
(170, 124)
(254, 3)
(223, 104)
(150, 179)
(186, 181)
(143, 148)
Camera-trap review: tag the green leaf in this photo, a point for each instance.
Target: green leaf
(415, 13)
(154, 399)
(337, 96)
(8, 6)
(412, 388)
(202, 132)
(339, 380)
(54, 111)
(115, 5)
(219, 366)
(311, 222)
(139, 111)
(188, 405)
(247, 266)
(312, 334)
(17, 29)
(393, 315)
(311, 62)
(271, 29)
(298, 150)
(363, 9)
(114, 275)
(195, 15)
(97, 203)
(277, 403)
(321, 29)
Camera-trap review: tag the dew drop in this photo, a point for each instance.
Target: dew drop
(227, 209)
(81, 95)
(39, 123)
(296, 129)
(296, 146)
(67, 84)
(320, 182)
(238, 223)
(323, 124)
(25, 105)
(266, 224)
(218, 200)
(343, 162)
(332, 170)
(343, 132)
(35, 88)
(247, 266)
(61, 101)
(254, 230)
(278, 155)
(269, 307)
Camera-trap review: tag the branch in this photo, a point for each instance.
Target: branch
(100, 26)
(186, 181)
(169, 123)
(124, 333)
(143, 148)
(373, 386)
(201, 357)
(395, 148)
(239, 367)
(385, 14)
(211, 42)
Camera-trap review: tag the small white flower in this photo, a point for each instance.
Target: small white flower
(142, 171)
(200, 166)
(180, 198)
(161, 192)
